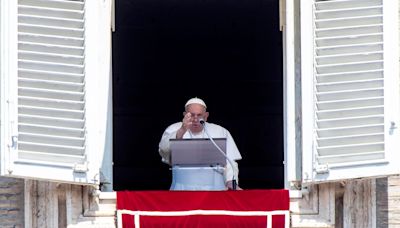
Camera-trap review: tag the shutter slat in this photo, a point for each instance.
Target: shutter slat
(347, 49)
(349, 67)
(50, 75)
(58, 113)
(349, 31)
(53, 103)
(335, 131)
(346, 4)
(349, 158)
(348, 140)
(349, 104)
(50, 139)
(51, 57)
(345, 13)
(350, 122)
(348, 22)
(57, 4)
(50, 148)
(50, 12)
(345, 86)
(349, 76)
(52, 94)
(47, 66)
(51, 85)
(350, 149)
(351, 112)
(51, 121)
(49, 39)
(51, 130)
(348, 40)
(344, 95)
(349, 58)
(51, 159)
(50, 21)
(50, 30)
(48, 48)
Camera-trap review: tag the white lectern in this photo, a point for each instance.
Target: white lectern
(197, 164)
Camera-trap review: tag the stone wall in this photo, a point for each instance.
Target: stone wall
(50, 204)
(11, 202)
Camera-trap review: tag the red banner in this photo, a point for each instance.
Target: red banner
(247, 208)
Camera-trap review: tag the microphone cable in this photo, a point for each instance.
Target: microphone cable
(202, 122)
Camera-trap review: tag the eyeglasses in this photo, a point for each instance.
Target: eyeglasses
(197, 116)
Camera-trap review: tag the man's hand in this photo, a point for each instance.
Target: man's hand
(229, 185)
(186, 123)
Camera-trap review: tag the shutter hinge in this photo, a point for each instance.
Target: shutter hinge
(392, 127)
(81, 168)
(12, 145)
(321, 169)
(14, 141)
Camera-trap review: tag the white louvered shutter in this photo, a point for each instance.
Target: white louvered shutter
(48, 96)
(350, 89)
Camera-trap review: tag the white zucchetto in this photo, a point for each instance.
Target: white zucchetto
(195, 100)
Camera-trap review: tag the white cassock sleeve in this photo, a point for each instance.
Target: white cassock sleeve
(233, 154)
(164, 146)
(229, 172)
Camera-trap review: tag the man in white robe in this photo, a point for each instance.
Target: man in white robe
(190, 127)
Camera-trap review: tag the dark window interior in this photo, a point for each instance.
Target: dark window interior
(227, 52)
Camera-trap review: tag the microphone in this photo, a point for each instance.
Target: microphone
(234, 184)
(202, 122)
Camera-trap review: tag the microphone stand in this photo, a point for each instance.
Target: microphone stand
(234, 184)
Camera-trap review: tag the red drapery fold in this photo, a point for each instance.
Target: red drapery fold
(171, 201)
